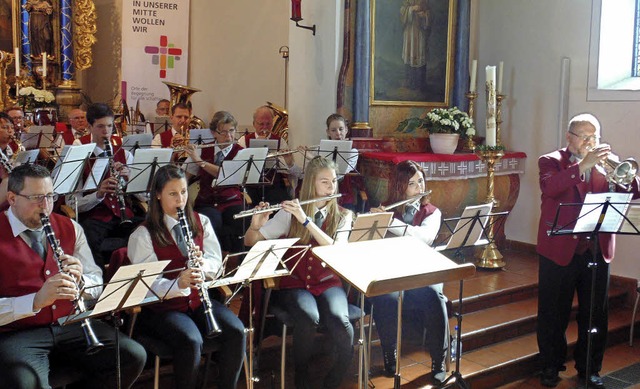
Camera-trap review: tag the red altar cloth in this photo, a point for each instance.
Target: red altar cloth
(430, 157)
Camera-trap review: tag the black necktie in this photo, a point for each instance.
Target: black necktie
(409, 213)
(318, 219)
(36, 242)
(180, 242)
(219, 158)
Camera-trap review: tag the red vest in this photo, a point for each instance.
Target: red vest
(310, 274)
(219, 197)
(108, 208)
(178, 261)
(252, 135)
(24, 272)
(166, 137)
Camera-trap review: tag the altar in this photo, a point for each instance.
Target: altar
(455, 180)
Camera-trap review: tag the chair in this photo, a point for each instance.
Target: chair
(633, 317)
(282, 316)
(155, 347)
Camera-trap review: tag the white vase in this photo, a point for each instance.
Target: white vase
(444, 143)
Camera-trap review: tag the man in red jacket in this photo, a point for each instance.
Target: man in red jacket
(34, 294)
(566, 176)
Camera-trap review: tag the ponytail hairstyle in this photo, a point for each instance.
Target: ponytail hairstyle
(155, 217)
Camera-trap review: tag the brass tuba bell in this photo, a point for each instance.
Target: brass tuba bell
(281, 121)
(182, 94)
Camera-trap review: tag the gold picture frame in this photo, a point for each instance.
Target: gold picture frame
(412, 52)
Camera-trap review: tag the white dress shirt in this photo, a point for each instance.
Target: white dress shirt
(140, 250)
(16, 308)
(280, 224)
(426, 231)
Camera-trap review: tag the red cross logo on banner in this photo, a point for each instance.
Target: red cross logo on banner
(164, 55)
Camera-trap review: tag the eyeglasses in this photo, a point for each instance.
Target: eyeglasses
(585, 138)
(226, 132)
(51, 197)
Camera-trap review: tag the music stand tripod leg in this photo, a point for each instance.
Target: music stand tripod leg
(459, 381)
(396, 378)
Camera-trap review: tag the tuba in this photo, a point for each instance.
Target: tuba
(281, 121)
(181, 94)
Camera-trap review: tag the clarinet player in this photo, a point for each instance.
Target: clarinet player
(35, 296)
(180, 321)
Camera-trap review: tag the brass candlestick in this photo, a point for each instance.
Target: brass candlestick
(471, 96)
(499, 98)
(491, 257)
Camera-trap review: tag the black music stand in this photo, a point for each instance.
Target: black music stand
(600, 213)
(470, 227)
(127, 289)
(367, 267)
(264, 260)
(145, 164)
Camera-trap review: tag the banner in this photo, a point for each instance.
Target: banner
(155, 48)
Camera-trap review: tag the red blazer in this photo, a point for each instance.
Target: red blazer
(560, 182)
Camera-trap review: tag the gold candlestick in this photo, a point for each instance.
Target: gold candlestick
(471, 96)
(491, 257)
(499, 98)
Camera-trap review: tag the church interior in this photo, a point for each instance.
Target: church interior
(519, 69)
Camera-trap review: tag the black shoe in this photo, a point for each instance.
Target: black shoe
(549, 377)
(389, 357)
(594, 380)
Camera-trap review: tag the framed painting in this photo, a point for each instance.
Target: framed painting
(412, 52)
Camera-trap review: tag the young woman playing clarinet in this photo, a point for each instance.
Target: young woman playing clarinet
(313, 293)
(420, 219)
(182, 321)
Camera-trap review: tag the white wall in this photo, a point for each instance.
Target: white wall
(532, 37)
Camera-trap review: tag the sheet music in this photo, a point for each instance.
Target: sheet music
(201, 136)
(115, 290)
(232, 172)
(27, 156)
(140, 170)
(591, 210)
(97, 172)
(345, 153)
(363, 227)
(271, 145)
(142, 141)
(463, 225)
(67, 174)
(633, 214)
(276, 249)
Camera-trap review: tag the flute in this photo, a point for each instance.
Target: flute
(407, 201)
(251, 212)
(93, 344)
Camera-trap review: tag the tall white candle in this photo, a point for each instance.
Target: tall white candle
(44, 65)
(474, 72)
(491, 106)
(16, 53)
(500, 68)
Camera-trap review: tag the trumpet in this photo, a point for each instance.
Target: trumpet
(93, 344)
(251, 212)
(621, 173)
(121, 184)
(407, 201)
(213, 328)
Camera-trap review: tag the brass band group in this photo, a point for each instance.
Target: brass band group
(194, 229)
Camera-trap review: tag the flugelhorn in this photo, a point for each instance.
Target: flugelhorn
(251, 212)
(621, 173)
(93, 344)
(407, 201)
(213, 328)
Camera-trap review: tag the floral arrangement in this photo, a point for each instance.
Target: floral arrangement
(440, 120)
(35, 98)
(450, 121)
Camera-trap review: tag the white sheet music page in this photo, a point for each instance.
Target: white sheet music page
(232, 172)
(465, 223)
(592, 208)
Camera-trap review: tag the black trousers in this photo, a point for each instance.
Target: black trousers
(557, 285)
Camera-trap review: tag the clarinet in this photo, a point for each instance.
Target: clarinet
(93, 344)
(119, 186)
(213, 328)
